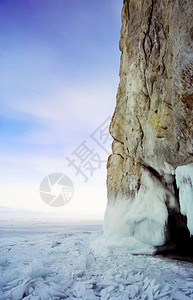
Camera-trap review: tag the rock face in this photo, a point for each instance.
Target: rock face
(152, 125)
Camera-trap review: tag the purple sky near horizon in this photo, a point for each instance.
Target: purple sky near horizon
(59, 75)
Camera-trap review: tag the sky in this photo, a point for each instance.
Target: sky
(59, 76)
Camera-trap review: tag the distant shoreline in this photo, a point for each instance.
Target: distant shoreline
(10, 214)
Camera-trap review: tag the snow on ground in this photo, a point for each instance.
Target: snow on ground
(46, 260)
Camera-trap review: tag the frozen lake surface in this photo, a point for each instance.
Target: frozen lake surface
(44, 260)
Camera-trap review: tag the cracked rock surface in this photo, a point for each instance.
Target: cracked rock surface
(152, 125)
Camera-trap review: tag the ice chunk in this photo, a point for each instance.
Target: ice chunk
(38, 269)
(79, 288)
(106, 291)
(184, 180)
(56, 278)
(18, 292)
(89, 295)
(179, 296)
(132, 290)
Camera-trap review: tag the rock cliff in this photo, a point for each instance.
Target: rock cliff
(152, 127)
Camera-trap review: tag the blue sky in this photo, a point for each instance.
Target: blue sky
(59, 75)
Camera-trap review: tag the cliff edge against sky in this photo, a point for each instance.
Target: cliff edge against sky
(150, 171)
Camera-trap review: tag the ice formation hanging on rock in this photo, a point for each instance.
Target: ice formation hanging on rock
(184, 179)
(152, 125)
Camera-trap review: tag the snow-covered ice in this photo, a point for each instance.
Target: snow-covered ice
(47, 260)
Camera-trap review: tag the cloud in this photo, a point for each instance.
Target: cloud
(63, 119)
(70, 103)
